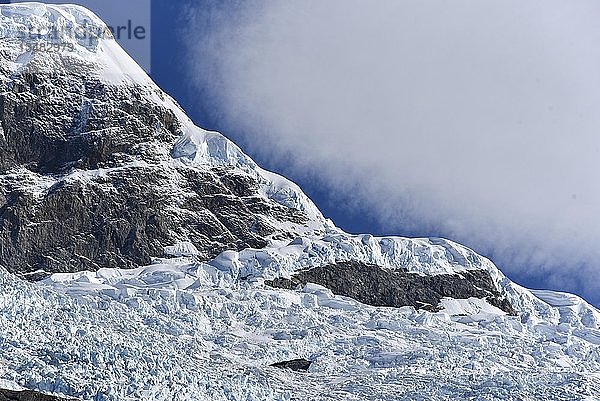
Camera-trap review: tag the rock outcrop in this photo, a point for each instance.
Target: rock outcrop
(373, 285)
(294, 364)
(27, 395)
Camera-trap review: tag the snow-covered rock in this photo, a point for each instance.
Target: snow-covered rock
(86, 131)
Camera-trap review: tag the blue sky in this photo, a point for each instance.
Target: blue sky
(480, 128)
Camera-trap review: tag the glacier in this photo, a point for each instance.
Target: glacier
(182, 328)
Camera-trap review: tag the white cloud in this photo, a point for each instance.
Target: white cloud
(479, 119)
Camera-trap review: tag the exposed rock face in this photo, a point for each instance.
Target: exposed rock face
(27, 395)
(375, 286)
(87, 180)
(55, 122)
(294, 364)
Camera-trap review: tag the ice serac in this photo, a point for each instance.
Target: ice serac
(155, 242)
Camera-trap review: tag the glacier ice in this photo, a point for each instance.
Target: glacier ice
(184, 330)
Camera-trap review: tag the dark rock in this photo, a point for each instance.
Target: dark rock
(294, 364)
(27, 395)
(376, 286)
(51, 124)
(125, 219)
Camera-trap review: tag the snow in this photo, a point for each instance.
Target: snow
(9, 385)
(472, 307)
(53, 23)
(119, 67)
(74, 35)
(182, 249)
(571, 308)
(34, 184)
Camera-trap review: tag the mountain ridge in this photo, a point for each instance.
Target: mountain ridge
(128, 212)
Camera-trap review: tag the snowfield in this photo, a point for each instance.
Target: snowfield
(182, 329)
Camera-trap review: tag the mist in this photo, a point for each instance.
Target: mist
(475, 120)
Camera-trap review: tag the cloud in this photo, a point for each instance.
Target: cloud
(476, 120)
